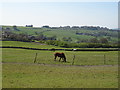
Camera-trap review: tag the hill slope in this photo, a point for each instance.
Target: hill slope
(66, 34)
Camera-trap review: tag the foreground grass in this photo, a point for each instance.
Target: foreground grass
(19, 71)
(44, 76)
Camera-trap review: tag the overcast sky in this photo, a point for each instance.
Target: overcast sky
(103, 14)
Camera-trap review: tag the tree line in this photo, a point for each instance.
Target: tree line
(79, 45)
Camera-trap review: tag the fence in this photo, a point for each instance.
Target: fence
(73, 57)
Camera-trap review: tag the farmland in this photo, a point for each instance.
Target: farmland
(62, 34)
(90, 70)
(59, 44)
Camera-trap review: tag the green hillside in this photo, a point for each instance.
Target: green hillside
(67, 34)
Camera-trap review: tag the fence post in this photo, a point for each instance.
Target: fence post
(73, 59)
(104, 59)
(35, 58)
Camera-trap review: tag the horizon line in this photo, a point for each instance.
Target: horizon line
(61, 26)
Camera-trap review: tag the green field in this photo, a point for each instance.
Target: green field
(43, 76)
(28, 44)
(111, 35)
(90, 70)
(47, 57)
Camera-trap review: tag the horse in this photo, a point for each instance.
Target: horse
(61, 55)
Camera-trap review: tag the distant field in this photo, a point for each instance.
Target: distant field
(112, 36)
(27, 44)
(41, 45)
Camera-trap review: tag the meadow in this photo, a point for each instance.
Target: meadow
(47, 57)
(90, 70)
(45, 76)
(27, 44)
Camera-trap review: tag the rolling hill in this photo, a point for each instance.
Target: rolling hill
(74, 35)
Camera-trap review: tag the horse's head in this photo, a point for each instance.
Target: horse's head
(64, 57)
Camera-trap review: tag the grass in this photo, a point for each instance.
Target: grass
(47, 57)
(27, 44)
(40, 45)
(43, 76)
(81, 57)
(66, 33)
(19, 71)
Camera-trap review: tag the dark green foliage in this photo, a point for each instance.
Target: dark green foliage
(69, 39)
(79, 45)
(46, 26)
(103, 40)
(15, 28)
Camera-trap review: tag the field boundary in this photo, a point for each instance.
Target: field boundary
(103, 49)
(58, 64)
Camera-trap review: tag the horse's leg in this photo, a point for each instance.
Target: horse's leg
(55, 58)
(59, 59)
(64, 60)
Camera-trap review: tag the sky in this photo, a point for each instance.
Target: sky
(104, 14)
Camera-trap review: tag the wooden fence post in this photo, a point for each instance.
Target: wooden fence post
(73, 59)
(104, 59)
(35, 58)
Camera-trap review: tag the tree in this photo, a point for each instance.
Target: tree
(103, 40)
(15, 28)
(69, 39)
(46, 26)
(94, 40)
(40, 37)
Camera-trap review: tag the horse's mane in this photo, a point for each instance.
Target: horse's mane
(60, 53)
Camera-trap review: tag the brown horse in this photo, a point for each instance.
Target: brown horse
(61, 55)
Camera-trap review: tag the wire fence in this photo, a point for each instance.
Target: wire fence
(73, 57)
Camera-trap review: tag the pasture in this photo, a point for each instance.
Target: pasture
(19, 71)
(45, 76)
(47, 57)
(90, 70)
(27, 44)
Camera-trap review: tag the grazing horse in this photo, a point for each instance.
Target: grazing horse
(61, 55)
